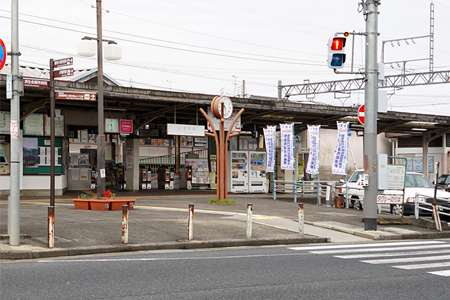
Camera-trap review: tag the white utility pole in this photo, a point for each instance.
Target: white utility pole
(371, 109)
(14, 198)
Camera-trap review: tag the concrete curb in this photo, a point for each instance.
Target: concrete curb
(47, 253)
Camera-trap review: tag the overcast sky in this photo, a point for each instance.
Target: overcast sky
(211, 46)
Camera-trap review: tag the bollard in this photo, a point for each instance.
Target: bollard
(125, 224)
(301, 219)
(191, 222)
(328, 196)
(249, 219)
(416, 209)
(51, 227)
(437, 218)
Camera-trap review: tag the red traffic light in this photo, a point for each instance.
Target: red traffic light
(338, 44)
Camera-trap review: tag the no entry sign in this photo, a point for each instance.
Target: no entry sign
(2, 54)
(361, 114)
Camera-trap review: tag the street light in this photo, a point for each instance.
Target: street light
(112, 52)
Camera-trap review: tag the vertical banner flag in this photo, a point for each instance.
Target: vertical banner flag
(340, 152)
(287, 146)
(313, 160)
(270, 138)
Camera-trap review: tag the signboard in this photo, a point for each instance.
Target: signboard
(183, 129)
(389, 199)
(63, 73)
(63, 62)
(361, 114)
(78, 96)
(396, 177)
(227, 122)
(32, 82)
(2, 54)
(9, 89)
(126, 126)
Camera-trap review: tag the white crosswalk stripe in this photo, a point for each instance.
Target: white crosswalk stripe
(401, 255)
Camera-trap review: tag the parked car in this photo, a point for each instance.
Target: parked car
(415, 184)
(444, 182)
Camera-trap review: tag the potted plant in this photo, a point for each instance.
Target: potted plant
(82, 202)
(116, 204)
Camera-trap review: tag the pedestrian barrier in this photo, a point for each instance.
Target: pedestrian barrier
(321, 189)
(436, 210)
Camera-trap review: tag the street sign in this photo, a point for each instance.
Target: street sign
(9, 90)
(32, 82)
(63, 73)
(63, 62)
(389, 199)
(2, 54)
(77, 96)
(361, 114)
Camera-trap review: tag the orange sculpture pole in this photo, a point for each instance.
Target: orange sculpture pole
(221, 150)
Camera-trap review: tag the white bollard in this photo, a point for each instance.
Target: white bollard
(249, 219)
(125, 224)
(191, 222)
(301, 219)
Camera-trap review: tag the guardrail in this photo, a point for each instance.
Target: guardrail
(320, 189)
(436, 210)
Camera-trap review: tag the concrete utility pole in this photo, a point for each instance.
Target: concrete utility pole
(14, 199)
(101, 172)
(371, 109)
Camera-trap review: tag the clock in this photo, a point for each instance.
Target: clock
(216, 107)
(112, 125)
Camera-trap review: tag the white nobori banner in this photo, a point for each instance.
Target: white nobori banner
(270, 139)
(340, 152)
(313, 160)
(287, 146)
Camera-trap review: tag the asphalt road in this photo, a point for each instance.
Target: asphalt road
(392, 270)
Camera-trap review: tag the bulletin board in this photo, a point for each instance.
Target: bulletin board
(36, 155)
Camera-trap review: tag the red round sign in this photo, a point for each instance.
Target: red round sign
(361, 114)
(2, 54)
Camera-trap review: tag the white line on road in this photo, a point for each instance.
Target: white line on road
(365, 245)
(445, 273)
(423, 266)
(407, 253)
(167, 258)
(381, 249)
(406, 259)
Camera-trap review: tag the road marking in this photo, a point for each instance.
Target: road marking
(445, 273)
(406, 259)
(168, 258)
(368, 255)
(379, 249)
(372, 245)
(423, 266)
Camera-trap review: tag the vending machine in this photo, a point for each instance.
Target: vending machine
(238, 171)
(257, 168)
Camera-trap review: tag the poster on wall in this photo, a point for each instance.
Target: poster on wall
(30, 152)
(313, 161)
(33, 125)
(129, 158)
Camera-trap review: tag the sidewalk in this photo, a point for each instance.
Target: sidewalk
(159, 221)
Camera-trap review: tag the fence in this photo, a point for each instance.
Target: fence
(422, 202)
(319, 189)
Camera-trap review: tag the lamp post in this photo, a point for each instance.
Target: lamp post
(113, 52)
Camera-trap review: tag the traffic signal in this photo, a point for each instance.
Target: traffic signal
(336, 52)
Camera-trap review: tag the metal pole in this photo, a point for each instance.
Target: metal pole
(301, 219)
(52, 133)
(51, 227)
(125, 224)
(191, 222)
(371, 108)
(101, 132)
(14, 203)
(249, 219)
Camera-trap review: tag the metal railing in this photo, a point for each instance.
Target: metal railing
(169, 160)
(421, 203)
(319, 189)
